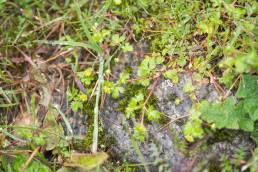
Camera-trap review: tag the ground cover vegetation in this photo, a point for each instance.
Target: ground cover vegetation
(56, 58)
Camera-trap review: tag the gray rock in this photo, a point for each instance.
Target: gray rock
(160, 146)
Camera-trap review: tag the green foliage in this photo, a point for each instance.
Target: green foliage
(86, 76)
(232, 114)
(134, 104)
(152, 114)
(243, 62)
(188, 87)
(86, 161)
(17, 163)
(115, 89)
(140, 132)
(147, 68)
(193, 127)
(116, 39)
(172, 74)
(127, 47)
(77, 99)
(199, 37)
(239, 112)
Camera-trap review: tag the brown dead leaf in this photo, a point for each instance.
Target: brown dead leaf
(24, 119)
(17, 60)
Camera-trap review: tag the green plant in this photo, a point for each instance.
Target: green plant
(134, 104)
(82, 39)
(140, 132)
(18, 162)
(147, 68)
(239, 112)
(172, 74)
(115, 89)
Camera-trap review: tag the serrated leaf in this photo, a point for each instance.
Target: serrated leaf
(153, 114)
(250, 105)
(127, 47)
(124, 76)
(248, 87)
(254, 116)
(145, 82)
(159, 60)
(76, 105)
(140, 132)
(139, 97)
(116, 39)
(246, 124)
(116, 91)
(222, 114)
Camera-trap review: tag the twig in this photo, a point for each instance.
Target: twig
(62, 53)
(148, 97)
(29, 159)
(214, 82)
(232, 86)
(96, 108)
(27, 58)
(172, 120)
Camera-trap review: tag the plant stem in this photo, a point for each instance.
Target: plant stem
(96, 108)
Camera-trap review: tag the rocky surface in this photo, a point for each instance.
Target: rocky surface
(161, 145)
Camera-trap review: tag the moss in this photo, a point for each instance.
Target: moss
(171, 97)
(180, 144)
(85, 144)
(222, 135)
(131, 91)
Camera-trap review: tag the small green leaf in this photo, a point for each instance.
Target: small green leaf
(188, 87)
(172, 74)
(117, 2)
(116, 39)
(127, 47)
(76, 105)
(254, 116)
(248, 86)
(117, 91)
(124, 76)
(152, 114)
(140, 132)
